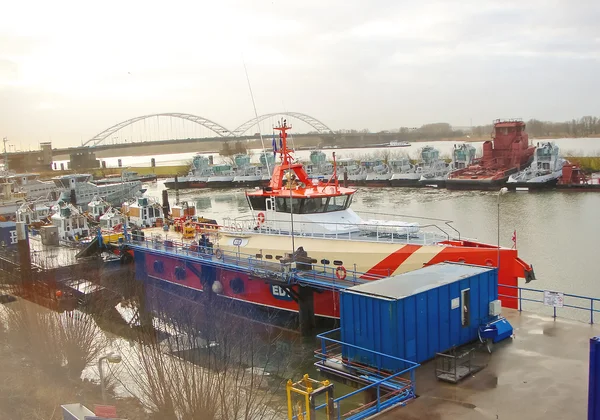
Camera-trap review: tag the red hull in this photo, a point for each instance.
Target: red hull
(256, 291)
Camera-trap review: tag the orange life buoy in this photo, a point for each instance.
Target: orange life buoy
(261, 218)
(340, 272)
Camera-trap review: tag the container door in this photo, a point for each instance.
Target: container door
(465, 297)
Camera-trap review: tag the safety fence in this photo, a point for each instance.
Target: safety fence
(385, 389)
(567, 304)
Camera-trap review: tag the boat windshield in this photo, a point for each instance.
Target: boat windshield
(305, 205)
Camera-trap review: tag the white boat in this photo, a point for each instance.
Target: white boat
(403, 172)
(325, 230)
(97, 207)
(430, 170)
(319, 167)
(32, 213)
(111, 219)
(71, 223)
(463, 156)
(396, 143)
(352, 170)
(221, 177)
(77, 189)
(125, 175)
(144, 212)
(245, 173)
(9, 200)
(380, 175)
(250, 175)
(544, 171)
(197, 175)
(33, 187)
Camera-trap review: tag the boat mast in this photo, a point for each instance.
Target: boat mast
(286, 159)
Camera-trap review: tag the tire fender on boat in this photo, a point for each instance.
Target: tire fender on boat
(340, 272)
(219, 254)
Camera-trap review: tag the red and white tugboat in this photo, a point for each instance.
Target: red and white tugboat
(507, 153)
(295, 212)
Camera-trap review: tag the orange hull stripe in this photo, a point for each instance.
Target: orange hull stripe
(391, 263)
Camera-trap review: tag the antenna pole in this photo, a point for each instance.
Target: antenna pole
(291, 205)
(262, 142)
(335, 173)
(5, 140)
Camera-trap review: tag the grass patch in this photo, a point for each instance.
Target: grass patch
(587, 163)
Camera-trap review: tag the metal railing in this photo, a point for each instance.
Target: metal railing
(328, 277)
(364, 232)
(571, 301)
(391, 388)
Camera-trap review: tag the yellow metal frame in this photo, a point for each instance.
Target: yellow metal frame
(188, 232)
(307, 387)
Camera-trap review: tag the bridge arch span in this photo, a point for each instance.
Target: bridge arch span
(313, 122)
(211, 125)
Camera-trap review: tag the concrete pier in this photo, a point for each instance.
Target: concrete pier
(540, 374)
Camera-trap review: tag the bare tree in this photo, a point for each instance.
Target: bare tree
(227, 371)
(57, 343)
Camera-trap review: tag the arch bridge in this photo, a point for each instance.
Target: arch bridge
(218, 129)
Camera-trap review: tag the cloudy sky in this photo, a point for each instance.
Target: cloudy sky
(69, 69)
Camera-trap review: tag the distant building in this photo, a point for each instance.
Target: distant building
(83, 159)
(31, 161)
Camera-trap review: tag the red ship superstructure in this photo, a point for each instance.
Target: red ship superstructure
(508, 152)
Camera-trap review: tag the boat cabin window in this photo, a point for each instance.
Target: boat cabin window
(313, 205)
(337, 203)
(258, 203)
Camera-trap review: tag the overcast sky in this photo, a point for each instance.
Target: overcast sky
(69, 69)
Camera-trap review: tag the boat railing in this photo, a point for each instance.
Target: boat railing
(287, 268)
(429, 233)
(572, 305)
(340, 231)
(390, 379)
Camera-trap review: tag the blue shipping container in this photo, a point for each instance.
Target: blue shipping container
(8, 234)
(417, 314)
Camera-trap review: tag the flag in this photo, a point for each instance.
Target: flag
(514, 239)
